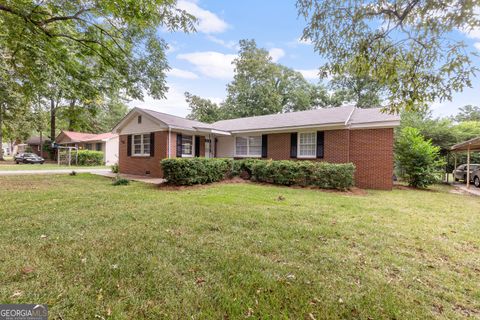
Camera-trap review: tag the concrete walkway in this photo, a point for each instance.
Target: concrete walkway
(132, 177)
(462, 188)
(51, 171)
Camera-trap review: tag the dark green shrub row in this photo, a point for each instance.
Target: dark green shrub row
(188, 171)
(304, 173)
(191, 171)
(90, 158)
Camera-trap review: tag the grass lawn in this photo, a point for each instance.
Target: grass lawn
(92, 250)
(45, 166)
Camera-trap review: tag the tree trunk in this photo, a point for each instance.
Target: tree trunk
(72, 121)
(41, 144)
(1, 133)
(53, 117)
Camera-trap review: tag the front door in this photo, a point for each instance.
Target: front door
(208, 148)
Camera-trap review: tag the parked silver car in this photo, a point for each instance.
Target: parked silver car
(461, 173)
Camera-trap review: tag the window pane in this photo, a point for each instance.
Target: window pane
(308, 144)
(187, 145)
(241, 146)
(255, 146)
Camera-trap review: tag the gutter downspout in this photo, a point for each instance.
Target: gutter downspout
(169, 142)
(347, 124)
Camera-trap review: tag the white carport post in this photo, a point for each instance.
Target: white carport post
(468, 167)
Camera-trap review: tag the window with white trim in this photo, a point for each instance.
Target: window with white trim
(187, 146)
(307, 144)
(141, 144)
(248, 146)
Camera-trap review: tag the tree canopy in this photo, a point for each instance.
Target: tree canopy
(405, 46)
(260, 87)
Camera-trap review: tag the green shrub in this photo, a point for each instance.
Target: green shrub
(90, 158)
(115, 168)
(417, 159)
(189, 171)
(321, 174)
(120, 181)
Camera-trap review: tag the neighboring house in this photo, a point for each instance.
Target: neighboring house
(104, 142)
(338, 135)
(33, 145)
(6, 149)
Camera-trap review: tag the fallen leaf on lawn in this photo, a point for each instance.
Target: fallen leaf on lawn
(43, 236)
(290, 276)
(84, 260)
(310, 315)
(109, 311)
(340, 300)
(199, 280)
(27, 270)
(249, 313)
(16, 294)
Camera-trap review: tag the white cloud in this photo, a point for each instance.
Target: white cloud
(311, 74)
(184, 74)
(477, 45)
(211, 63)
(276, 54)
(173, 104)
(226, 44)
(207, 21)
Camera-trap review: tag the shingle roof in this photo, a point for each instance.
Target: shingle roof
(172, 120)
(82, 136)
(36, 140)
(321, 117)
(372, 115)
(345, 115)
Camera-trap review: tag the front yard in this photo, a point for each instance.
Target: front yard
(92, 250)
(8, 166)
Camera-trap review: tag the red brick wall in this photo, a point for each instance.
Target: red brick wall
(278, 146)
(336, 146)
(371, 150)
(140, 165)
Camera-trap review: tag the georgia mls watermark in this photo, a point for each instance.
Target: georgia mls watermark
(23, 312)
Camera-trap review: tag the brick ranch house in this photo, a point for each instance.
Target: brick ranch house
(337, 135)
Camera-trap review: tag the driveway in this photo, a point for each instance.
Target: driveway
(462, 188)
(50, 171)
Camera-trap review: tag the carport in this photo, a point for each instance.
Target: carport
(468, 146)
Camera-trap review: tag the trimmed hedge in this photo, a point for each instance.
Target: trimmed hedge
(191, 171)
(321, 174)
(188, 171)
(90, 158)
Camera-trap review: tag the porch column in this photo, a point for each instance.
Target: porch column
(468, 167)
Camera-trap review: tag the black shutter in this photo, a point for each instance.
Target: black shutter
(320, 144)
(264, 145)
(179, 145)
(293, 145)
(129, 145)
(152, 144)
(197, 146)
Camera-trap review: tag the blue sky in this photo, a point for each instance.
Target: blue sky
(201, 62)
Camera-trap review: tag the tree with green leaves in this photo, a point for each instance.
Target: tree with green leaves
(405, 46)
(356, 86)
(417, 159)
(82, 51)
(260, 87)
(468, 113)
(203, 110)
